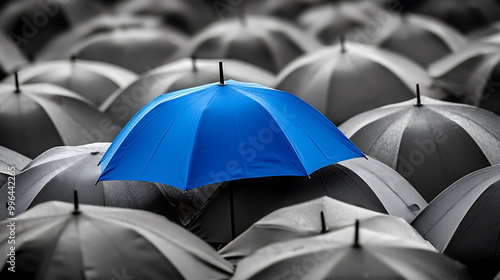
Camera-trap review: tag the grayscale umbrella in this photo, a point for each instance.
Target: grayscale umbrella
(259, 40)
(237, 204)
(471, 75)
(31, 24)
(314, 218)
(488, 34)
(57, 240)
(431, 143)
(11, 163)
(352, 253)
(36, 117)
(56, 173)
(421, 38)
(463, 221)
(137, 49)
(345, 80)
(93, 80)
(184, 73)
(11, 57)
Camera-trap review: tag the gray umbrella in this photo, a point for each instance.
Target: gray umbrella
(471, 75)
(11, 57)
(11, 163)
(37, 117)
(56, 173)
(463, 221)
(262, 41)
(57, 240)
(431, 143)
(184, 73)
(343, 81)
(91, 79)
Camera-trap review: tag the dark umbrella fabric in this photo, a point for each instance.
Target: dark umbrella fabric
(374, 256)
(305, 219)
(93, 80)
(236, 205)
(471, 75)
(184, 73)
(136, 49)
(262, 41)
(420, 38)
(55, 242)
(463, 221)
(56, 173)
(42, 116)
(343, 81)
(432, 144)
(11, 163)
(31, 24)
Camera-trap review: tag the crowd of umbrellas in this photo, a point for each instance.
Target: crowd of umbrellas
(249, 139)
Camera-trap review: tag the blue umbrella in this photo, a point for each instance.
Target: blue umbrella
(224, 131)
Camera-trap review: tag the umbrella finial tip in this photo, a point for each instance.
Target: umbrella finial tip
(16, 78)
(221, 75)
(75, 202)
(356, 235)
(193, 62)
(73, 58)
(342, 43)
(324, 229)
(419, 103)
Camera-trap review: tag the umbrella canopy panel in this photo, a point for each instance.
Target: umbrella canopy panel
(11, 163)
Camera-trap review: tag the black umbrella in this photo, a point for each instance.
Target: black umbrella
(91, 79)
(345, 80)
(11, 163)
(262, 41)
(463, 221)
(471, 75)
(57, 240)
(420, 38)
(314, 218)
(367, 183)
(37, 117)
(431, 143)
(185, 73)
(56, 173)
(32, 23)
(352, 253)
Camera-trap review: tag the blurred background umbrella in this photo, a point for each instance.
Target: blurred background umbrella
(53, 241)
(313, 218)
(136, 49)
(488, 34)
(365, 183)
(351, 253)
(37, 117)
(91, 79)
(471, 76)
(263, 41)
(11, 163)
(56, 173)
(11, 57)
(420, 38)
(431, 143)
(202, 135)
(184, 73)
(33, 23)
(345, 80)
(462, 222)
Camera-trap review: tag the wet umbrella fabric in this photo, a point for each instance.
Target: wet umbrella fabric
(236, 205)
(184, 73)
(462, 222)
(305, 219)
(11, 163)
(263, 41)
(432, 145)
(342, 81)
(201, 135)
(55, 242)
(42, 116)
(91, 79)
(57, 172)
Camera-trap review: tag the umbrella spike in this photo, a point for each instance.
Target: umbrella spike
(221, 75)
(342, 43)
(356, 235)
(193, 62)
(323, 223)
(73, 58)
(419, 103)
(75, 202)
(16, 78)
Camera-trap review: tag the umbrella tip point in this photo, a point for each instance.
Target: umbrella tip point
(75, 202)
(342, 43)
(73, 58)
(419, 102)
(16, 78)
(221, 75)
(356, 235)
(324, 229)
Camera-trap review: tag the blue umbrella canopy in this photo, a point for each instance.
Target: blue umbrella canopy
(224, 131)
